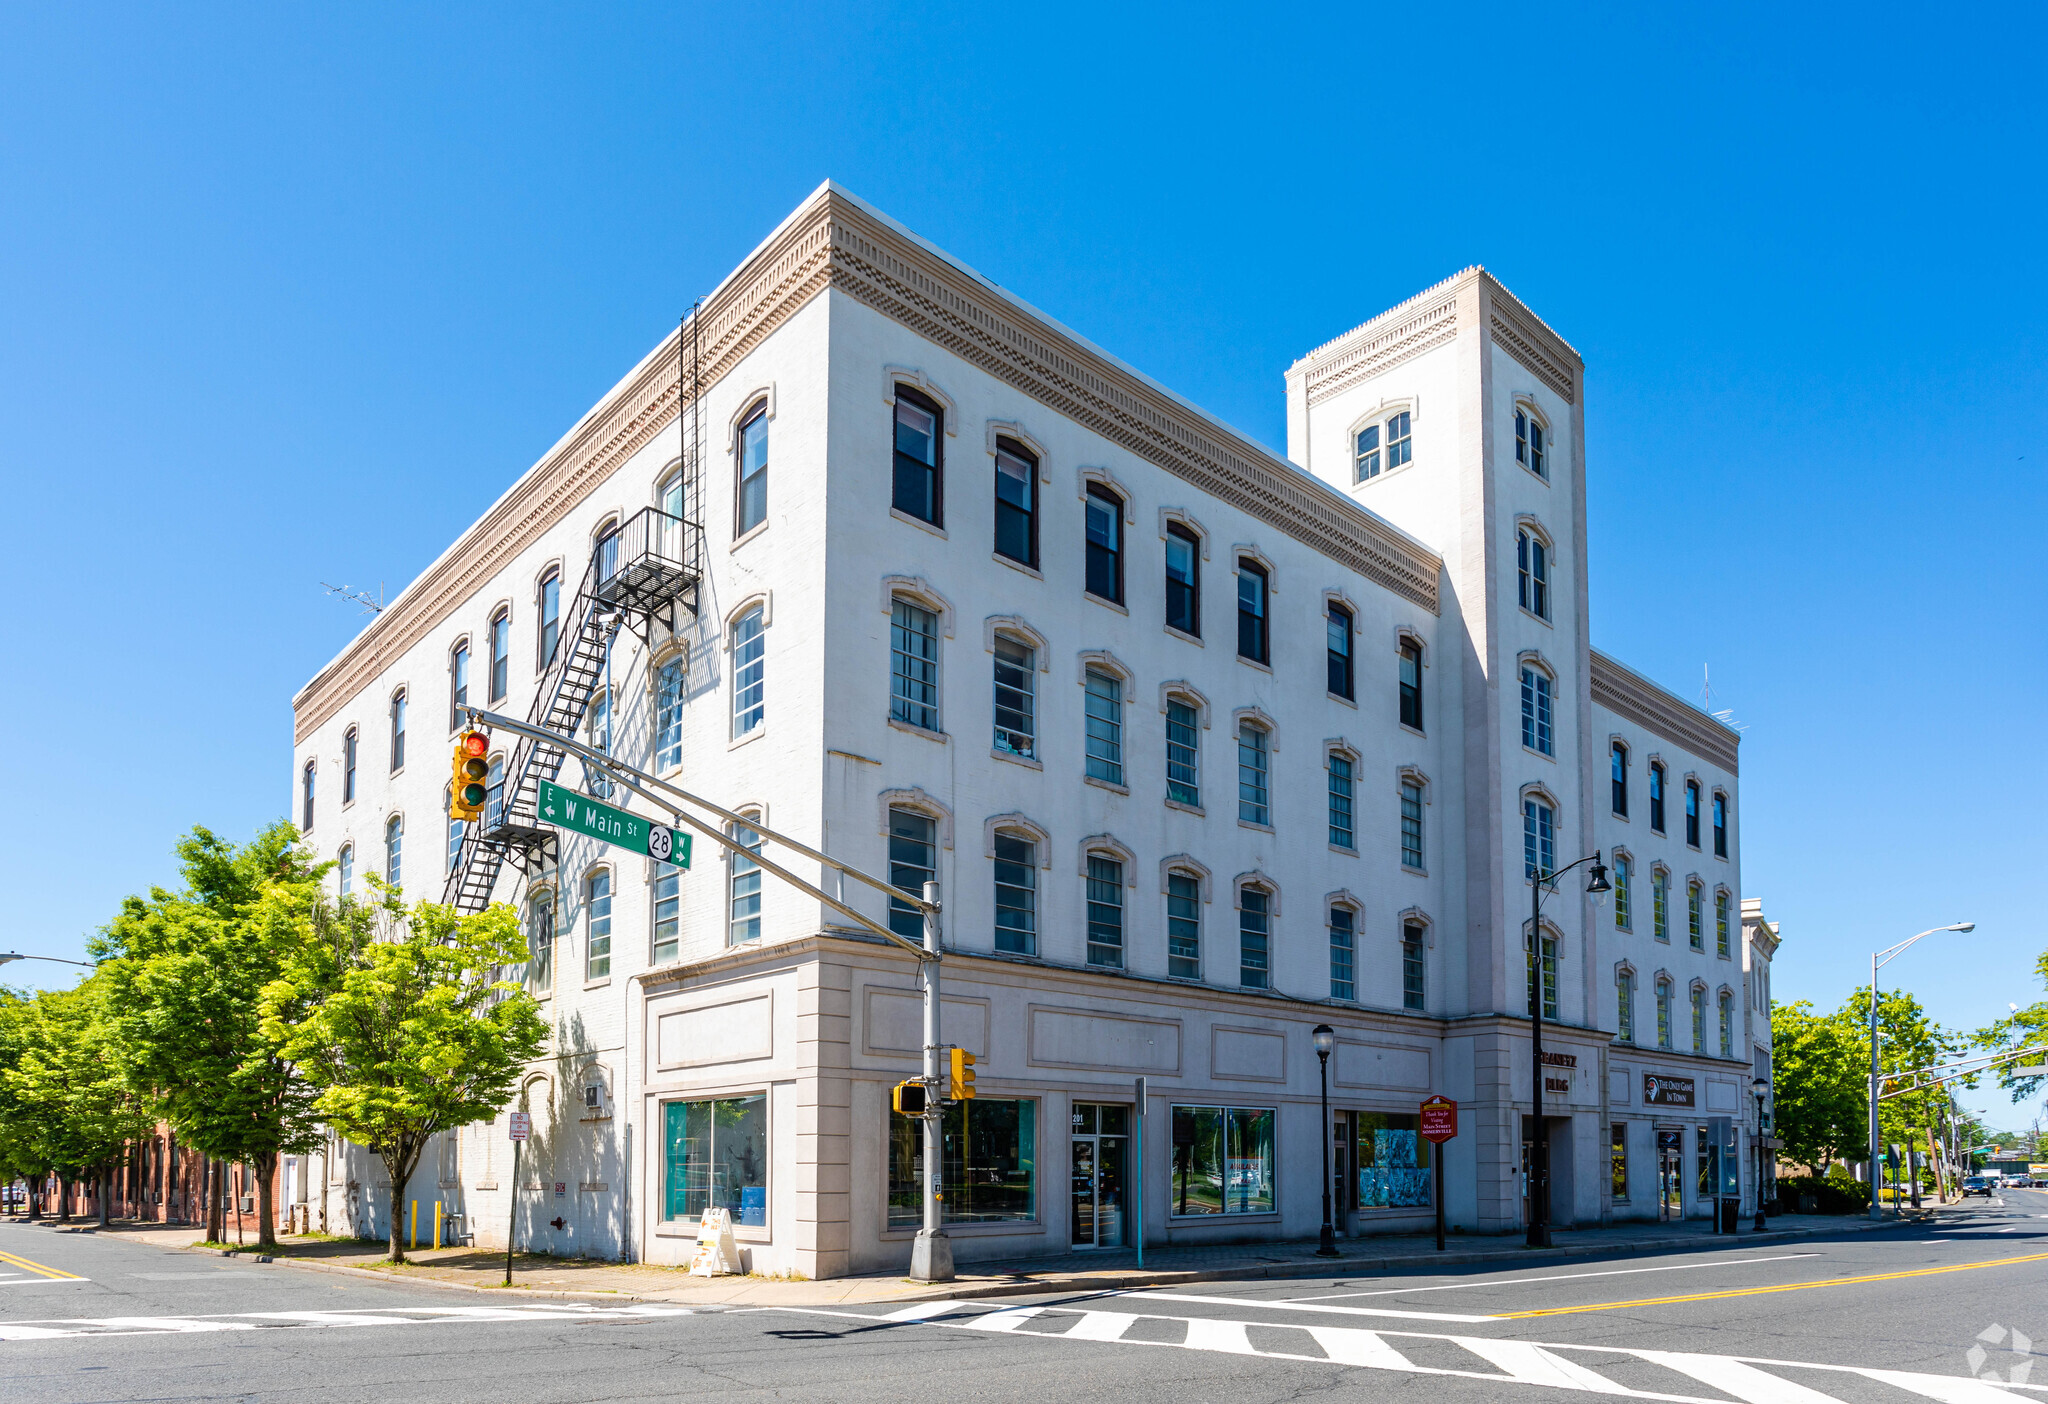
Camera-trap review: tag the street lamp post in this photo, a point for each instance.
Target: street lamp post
(1325, 1039)
(1757, 1088)
(1539, 1151)
(6, 956)
(1879, 959)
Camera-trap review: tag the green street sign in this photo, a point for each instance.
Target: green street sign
(566, 809)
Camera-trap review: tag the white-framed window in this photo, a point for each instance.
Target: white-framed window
(455, 828)
(1411, 683)
(458, 683)
(751, 495)
(597, 924)
(394, 850)
(1539, 837)
(1414, 965)
(1105, 911)
(1699, 1018)
(1539, 710)
(306, 778)
(501, 654)
(749, 672)
(1660, 904)
(914, 665)
(667, 942)
(1382, 446)
(540, 941)
(1343, 952)
(668, 714)
(913, 862)
(398, 731)
(1532, 449)
(1104, 529)
(1105, 704)
(1016, 878)
(1254, 774)
(1625, 1005)
(743, 916)
(550, 602)
(1016, 502)
(1183, 753)
(1663, 1013)
(1721, 925)
(1343, 801)
(1695, 916)
(1340, 672)
(1727, 1024)
(1183, 925)
(1624, 892)
(1617, 778)
(1532, 572)
(345, 870)
(1016, 697)
(348, 766)
(494, 793)
(1720, 825)
(917, 486)
(1549, 974)
(1411, 823)
(1254, 630)
(1254, 937)
(600, 739)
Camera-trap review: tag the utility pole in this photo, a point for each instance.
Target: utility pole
(931, 1253)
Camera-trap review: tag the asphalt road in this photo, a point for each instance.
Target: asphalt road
(1875, 1318)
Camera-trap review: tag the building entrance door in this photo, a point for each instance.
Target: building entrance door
(1670, 1146)
(1101, 1150)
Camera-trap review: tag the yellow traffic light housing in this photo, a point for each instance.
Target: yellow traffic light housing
(470, 790)
(960, 1075)
(907, 1098)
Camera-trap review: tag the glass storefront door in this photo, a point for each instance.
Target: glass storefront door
(1101, 1151)
(1670, 1156)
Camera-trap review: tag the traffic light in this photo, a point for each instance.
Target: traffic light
(908, 1098)
(960, 1075)
(467, 795)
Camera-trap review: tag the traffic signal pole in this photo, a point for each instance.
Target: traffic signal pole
(931, 1253)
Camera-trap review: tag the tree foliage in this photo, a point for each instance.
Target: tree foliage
(70, 1107)
(1820, 1066)
(2023, 1028)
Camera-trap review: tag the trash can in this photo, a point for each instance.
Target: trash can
(1731, 1212)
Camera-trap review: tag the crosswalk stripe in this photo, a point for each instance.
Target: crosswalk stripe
(1004, 1318)
(249, 1321)
(1946, 1389)
(1744, 1381)
(1101, 1326)
(1229, 1337)
(1347, 1345)
(1532, 1364)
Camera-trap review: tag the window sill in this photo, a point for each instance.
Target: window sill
(1340, 848)
(1195, 639)
(1416, 872)
(1109, 785)
(1014, 759)
(1722, 856)
(920, 523)
(1014, 564)
(1339, 697)
(1185, 808)
(748, 535)
(1617, 814)
(926, 732)
(1539, 477)
(1106, 603)
(1541, 754)
(599, 983)
(1413, 730)
(1528, 613)
(1254, 824)
(1266, 668)
(755, 735)
(1660, 940)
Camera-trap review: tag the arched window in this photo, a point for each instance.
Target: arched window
(550, 609)
(1411, 683)
(501, 654)
(1411, 823)
(918, 485)
(345, 870)
(398, 731)
(1105, 539)
(913, 665)
(668, 713)
(1389, 436)
(597, 924)
(1016, 502)
(1699, 1018)
(306, 798)
(606, 553)
(751, 494)
(1016, 876)
(599, 738)
(1341, 678)
(1660, 904)
(1692, 813)
(913, 862)
(455, 828)
(1531, 449)
(348, 766)
(1727, 1024)
(394, 850)
(667, 943)
(1254, 774)
(1617, 778)
(1532, 572)
(1183, 925)
(1695, 916)
(1549, 973)
(749, 672)
(1657, 796)
(1254, 937)
(1254, 640)
(458, 683)
(1663, 1013)
(1539, 837)
(1104, 702)
(1539, 703)
(1183, 580)
(1343, 951)
(1624, 892)
(1016, 697)
(1343, 773)
(1183, 752)
(1720, 825)
(1414, 937)
(1105, 899)
(1625, 1005)
(743, 922)
(1721, 935)
(540, 941)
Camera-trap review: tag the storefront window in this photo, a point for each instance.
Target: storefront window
(990, 1167)
(1393, 1161)
(1222, 1160)
(717, 1157)
(1617, 1158)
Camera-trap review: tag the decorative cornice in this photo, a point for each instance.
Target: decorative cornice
(1628, 693)
(835, 241)
(1522, 341)
(1333, 372)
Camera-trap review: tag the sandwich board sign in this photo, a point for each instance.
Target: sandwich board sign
(716, 1253)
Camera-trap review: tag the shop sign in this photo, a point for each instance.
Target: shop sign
(1439, 1120)
(1560, 1060)
(1557, 1084)
(1667, 1091)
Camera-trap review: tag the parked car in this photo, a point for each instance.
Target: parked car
(1977, 1184)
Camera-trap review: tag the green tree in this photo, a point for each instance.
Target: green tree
(185, 973)
(1821, 1068)
(2023, 1028)
(400, 1019)
(68, 1089)
(20, 1152)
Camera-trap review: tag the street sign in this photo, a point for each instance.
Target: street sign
(566, 809)
(1439, 1119)
(522, 1126)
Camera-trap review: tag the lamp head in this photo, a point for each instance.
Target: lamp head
(6, 956)
(1325, 1039)
(1964, 926)
(1597, 883)
(1758, 1087)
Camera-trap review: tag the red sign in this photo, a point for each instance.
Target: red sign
(1439, 1119)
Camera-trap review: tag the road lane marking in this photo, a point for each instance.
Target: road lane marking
(54, 1273)
(1155, 1295)
(84, 1327)
(1561, 1277)
(1764, 1291)
(1737, 1377)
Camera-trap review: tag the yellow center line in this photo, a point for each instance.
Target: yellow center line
(1761, 1291)
(38, 1267)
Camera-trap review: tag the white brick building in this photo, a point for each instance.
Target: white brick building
(1204, 749)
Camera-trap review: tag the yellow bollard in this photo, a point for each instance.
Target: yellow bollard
(415, 1223)
(437, 1223)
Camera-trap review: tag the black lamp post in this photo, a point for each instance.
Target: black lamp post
(1325, 1039)
(1757, 1088)
(1539, 1151)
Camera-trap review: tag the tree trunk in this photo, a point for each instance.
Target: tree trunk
(106, 1192)
(266, 1208)
(398, 1175)
(63, 1200)
(216, 1222)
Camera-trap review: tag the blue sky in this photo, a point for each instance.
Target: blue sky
(289, 296)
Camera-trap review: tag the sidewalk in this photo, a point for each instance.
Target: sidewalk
(481, 1271)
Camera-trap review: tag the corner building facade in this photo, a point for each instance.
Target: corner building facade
(1205, 748)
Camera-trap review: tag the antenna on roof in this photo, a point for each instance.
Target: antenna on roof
(1726, 715)
(361, 597)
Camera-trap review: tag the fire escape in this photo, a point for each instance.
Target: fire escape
(639, 571)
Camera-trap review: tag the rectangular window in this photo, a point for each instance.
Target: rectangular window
(1341, 678)
(1365, 454)
(744, 919)
(668, 912)
(1411, 684)
(1727, 1025)
(1254, 938)
(1617, 782)
(501, 656)
(1660, 906)
(1411, 825)
(1183, 926)
(749, 673)
(394, 851)
(1252, 642)
(1105, 545)
(1699, 1019)
(1617, 1160)
(306, 779)
(1105, 704)
(1537, 712)
(1105, 912)
(1657, 798)
(668, 715)
(1625, 1007)
(919, 431)
(1539, 839)
(1692, 813)
(914, 666)
(494, 794)
(1549, 975)
(597, 897)
(716, 1157)
(1624, 894)
(1400, 447)
(1721, 925)
(913, 862)
(398, 733)
(1183, 581)
(1532, 573)
(1663, 1013)
(550, 617)
(1016, 503)
(1222, 1161)
(1412, 965)
(1720, 826)
(455, 827)
(540, 943)
(988, 1163)
(1343, 828)
(348, 767)
(345, 870)
(1253, 805)
(1016, 694)
(1343, 953)
(1394, 1170)
(458, 684)
(1016, 875)
(752, 498)
(1695, 918)
(594, 779)
(1183, 754)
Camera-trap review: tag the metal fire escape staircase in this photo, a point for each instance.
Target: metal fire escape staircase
(638, 572)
